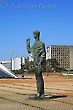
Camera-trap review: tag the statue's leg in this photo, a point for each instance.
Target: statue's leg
(39, 81)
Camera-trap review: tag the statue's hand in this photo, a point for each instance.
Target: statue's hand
(28, 45)
(28, 42)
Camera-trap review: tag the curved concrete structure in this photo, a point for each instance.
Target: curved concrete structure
(6, 73)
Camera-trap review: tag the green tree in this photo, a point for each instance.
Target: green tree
(52, 64)
(29, 66)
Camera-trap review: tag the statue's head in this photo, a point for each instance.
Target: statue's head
(36, 34)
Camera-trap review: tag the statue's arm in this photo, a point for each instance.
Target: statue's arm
(28, 45)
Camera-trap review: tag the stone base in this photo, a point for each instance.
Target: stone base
(39, 98)
(47, 97)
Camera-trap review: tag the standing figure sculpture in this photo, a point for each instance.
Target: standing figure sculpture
(39, 56)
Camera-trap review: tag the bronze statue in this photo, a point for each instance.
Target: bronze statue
(39, 56)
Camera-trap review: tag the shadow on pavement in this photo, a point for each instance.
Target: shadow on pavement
(57, 96)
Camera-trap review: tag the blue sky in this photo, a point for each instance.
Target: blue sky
(53, 18)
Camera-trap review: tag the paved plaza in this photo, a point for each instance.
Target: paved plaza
(15, 93)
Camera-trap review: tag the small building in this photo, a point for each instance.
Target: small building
(16, 63)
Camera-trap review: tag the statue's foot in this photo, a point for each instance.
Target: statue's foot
(35, 97)
(38, 96)
(42, 96)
